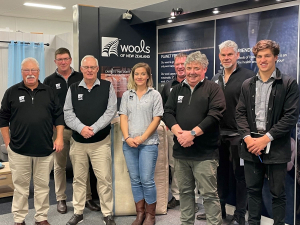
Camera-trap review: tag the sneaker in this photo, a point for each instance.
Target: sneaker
(75, 219)
(173, 203)
(109, 220)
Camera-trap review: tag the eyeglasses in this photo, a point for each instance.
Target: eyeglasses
(32, 70)
(64, 59)
(89, 67)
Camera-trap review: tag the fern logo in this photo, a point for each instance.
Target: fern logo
(109, 46)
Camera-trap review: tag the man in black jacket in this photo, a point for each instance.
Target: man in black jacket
(230, 79)
(266, 113)
(180, 76)
(192, 112)
(60, 81)
(29, 110)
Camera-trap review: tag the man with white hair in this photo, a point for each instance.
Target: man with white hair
(90, 106)
(192, 112)
(29, 110)
(230, 79)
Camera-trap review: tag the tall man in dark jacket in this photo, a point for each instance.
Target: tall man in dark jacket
(266, 113)
(193, 111)
(29, 110)
(90, 106)
(230, 79)
(60, 81)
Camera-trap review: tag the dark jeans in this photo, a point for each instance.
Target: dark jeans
(229, 151)
(255, 174)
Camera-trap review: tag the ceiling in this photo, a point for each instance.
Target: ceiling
(16, 8)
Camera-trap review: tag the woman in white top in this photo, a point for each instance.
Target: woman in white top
(140, 113)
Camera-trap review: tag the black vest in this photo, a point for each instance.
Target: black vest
(89, 106)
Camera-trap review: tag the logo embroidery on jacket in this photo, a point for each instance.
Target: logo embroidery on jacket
(57, 86)
(80, 97)
(22, 98)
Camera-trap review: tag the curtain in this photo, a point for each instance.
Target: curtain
(19, 51)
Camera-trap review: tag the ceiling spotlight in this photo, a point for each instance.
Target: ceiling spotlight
(278, 0)
(44, 6)
(169, 20)
(173, 13)
(215, 11)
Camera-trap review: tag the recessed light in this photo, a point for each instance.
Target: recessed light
(215, 11)
(44, 6)
(170, 20)
(278, 0)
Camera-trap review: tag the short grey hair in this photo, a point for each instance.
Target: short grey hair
(229, 44)
(88, 56)
(28, 59)
(197, 57)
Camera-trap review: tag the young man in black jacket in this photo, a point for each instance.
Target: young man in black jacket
(192, 112)
(230, 79)
(266, 113)
(29, 110)
(60, 81)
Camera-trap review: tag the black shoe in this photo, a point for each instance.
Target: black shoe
(237, 220)
(75, 219)
(91, 205)
(62, 206)
(223, 211)
(109, 220)
(173, 203)
(201, 216)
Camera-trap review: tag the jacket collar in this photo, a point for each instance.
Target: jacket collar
(277, 77)
(40, 86)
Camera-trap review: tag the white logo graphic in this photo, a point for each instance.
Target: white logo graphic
(109, 46)
(80, 97)
(57, 86)
(171, 89)
(180, 99)
(216, 81)
(22, 98)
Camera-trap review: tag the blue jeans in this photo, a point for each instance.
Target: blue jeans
(141, 163)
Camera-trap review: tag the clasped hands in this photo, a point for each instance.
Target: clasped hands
(134, 142)
(87, 132)
(256, 145)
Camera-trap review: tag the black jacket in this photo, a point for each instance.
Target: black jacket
(232, 92)
(282, 115)
(30, 116)
(203, 107)
(167, 90)
(60, 85)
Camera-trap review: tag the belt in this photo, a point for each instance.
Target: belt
(261, 132)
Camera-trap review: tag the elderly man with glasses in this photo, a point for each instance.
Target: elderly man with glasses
(90, 106)
(60, 81)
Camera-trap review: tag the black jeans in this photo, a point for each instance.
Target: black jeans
(229, 151)
(255, 174)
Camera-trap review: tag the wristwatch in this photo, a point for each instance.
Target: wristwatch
(193, 133)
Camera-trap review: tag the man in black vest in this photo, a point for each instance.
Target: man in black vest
(90, 106)
(60, 81)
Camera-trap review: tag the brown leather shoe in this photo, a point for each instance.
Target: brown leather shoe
(20, 223)
(150, 214)
(91, 205)
(44, 222)
(62, 207)
(140, 212)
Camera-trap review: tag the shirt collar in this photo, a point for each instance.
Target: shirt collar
(273, 75)
(56, 71)
(148, 90)
(83, 84)
(185, 82)
(223, 72)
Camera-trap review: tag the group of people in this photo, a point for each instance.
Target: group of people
(238, 116)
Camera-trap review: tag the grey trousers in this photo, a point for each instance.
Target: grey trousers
(204, 173)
